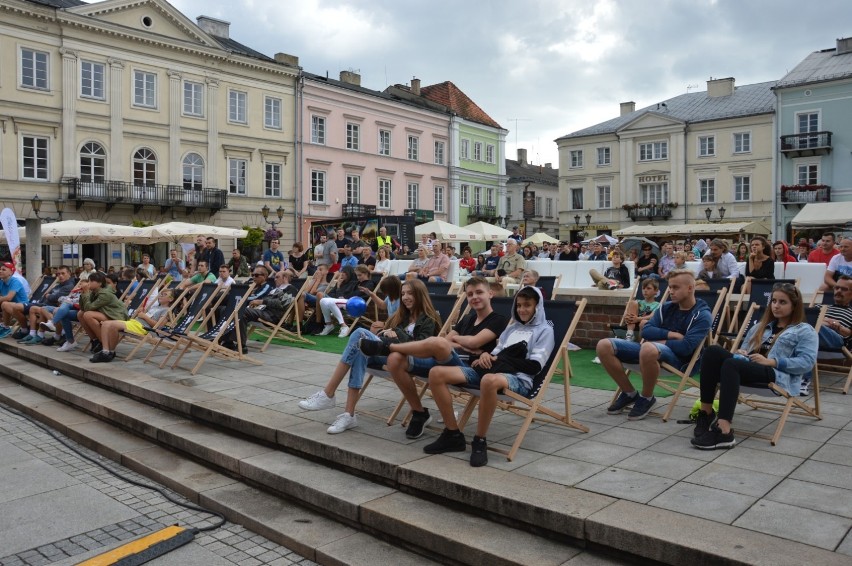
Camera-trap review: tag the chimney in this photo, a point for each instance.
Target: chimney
(350, 77)
(219, 28)
(522, 156)
(548, 165)
(627, 108)
(844, 45)
(720, 87)
(287, 59)
(415, 86)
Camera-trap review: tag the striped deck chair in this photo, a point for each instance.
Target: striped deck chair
(269, 330)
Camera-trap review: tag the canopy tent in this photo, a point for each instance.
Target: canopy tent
(176, 232)
(695, 230)
(86, 232)
(824, 215)
(539, 238)
(489, 232)
(605, 239)
(447, 232)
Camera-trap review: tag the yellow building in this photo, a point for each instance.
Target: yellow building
(129, 111)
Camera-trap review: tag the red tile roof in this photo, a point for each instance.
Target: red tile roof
(451, 96)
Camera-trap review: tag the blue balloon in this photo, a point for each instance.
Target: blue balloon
(356, 306)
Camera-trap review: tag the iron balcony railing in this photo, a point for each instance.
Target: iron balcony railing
(803, 145)
(650, 211)
(352, 210)
(122, 192)
(482, 211)
(805, 193)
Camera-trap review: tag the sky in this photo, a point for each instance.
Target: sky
(540, 68)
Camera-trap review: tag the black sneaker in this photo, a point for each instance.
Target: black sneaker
(703, 422)
(419, 420)
(714, 438)
(621, 402)
(478, 452)
(49, 341)
(97, 346)
(449, 441)
(641, 408)
(374, 348)
(102, 357)
(21, 333)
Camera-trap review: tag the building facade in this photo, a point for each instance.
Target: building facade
(543, 182)
(672, 162)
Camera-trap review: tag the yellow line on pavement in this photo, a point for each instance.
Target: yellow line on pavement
(133, 547)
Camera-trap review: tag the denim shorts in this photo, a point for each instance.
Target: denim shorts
(516, 385)
(628, 352)
(421, 366)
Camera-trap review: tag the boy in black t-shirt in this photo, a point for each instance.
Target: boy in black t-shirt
(475, 333)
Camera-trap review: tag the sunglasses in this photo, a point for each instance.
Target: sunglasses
(258, 274)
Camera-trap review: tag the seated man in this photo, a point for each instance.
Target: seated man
(836, 331)
(491, 263)
(270, 307)
(475, 333)
(43, 311)
(521, 353)
(203, 275)
(671, 335)
(512, 265)
(11, 293)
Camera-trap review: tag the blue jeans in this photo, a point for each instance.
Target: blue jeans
(64, 316)
(830, 339)
(310, 299)
(356, 360)
(627, 351)
(421, 366)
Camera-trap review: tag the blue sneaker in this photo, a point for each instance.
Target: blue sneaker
(641, 408)
(621, 402)
(5, 331)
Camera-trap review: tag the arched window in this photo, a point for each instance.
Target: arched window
(144, 167)
(193, 171)
(92, 163)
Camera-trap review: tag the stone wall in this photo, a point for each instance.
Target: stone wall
(603, 309)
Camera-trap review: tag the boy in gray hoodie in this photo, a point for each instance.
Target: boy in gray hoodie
(521, 353)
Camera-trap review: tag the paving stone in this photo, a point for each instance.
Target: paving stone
(759, 461)
(560, 470)
(631, 438)
(810, 527)
(814, 496)
(703, 502)
(596, 452)
(786, 445)
(834, 454)
(729, 478)
(625, 484)
(666, 466)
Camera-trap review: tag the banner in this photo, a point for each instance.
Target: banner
(13, 239)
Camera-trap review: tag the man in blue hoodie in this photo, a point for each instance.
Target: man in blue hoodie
(675, 330)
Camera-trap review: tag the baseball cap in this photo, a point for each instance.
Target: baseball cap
(9, 265)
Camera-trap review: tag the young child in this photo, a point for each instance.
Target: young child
(680, 259)
(617, 276)
(639, 312)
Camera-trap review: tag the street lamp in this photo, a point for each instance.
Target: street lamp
(265, 212)
(36, 204)
(577, 221)
(708, 212)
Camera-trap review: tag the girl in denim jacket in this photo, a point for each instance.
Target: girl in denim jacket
(780, 349)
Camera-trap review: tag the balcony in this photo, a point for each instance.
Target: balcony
(420, 215)
(803, 194)
(482, 212)
(806, 145)
(356, 210)
(649, 212)
(165, 196)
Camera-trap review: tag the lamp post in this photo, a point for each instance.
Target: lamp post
(32, 230)
(279, 211)
(708, 212)
(60, 208)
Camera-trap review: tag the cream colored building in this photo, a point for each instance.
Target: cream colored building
(130, 111)
(670, 162)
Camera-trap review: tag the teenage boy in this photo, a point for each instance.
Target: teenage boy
(12, 292)
(521, 353)
(475, 333)
(616, 276)
(273, 258)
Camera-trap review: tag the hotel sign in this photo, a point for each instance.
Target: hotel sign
(653, 178)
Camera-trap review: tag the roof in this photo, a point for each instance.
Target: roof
(819, 67)
(58, 3)
(747, 100)
(539, 174)
(452, 97)
(391, 93)
(234, 46)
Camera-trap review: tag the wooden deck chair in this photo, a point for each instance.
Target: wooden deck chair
(139, 294)
(767, 398)
(438, 288)
(548, 284)
(168, 319)
(759, 291)
(822, 298)
(122, 287)
(41, 287)
(675, 380)
(827, 360)
(564, 317)
(711, 298)
(208, 341)
(269, 330)
(371, 313)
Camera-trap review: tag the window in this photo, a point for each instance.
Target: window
(576, 158)
(742, 142)
(508, 206)
(384, 193)
(35, 158)
(706, 191)
(144, 167)
(193, 98)
(353, 136)
(477, 151)
(34, 69)
(538, 209)
(807, 174)
(548, 207)
(576, 199)
(318, 130)
(464, 150)
(193, 172)
(272, 112)
(653, 151)
(654, 193)
(439, 152)
(439, 198)
(604, 156)
(384, 142)
(413, 148)
(92, 80)
(477, 196)
(318, 185)
(464, 195)
(144, 89)
(413, 195)
(742, 188)
(807, 122)
(489, 153)
(489, 197)
(706, 146)
(604, 196)
(353, 189)
(237, 106)
(92, 163)
(237, 176)
(272, 180)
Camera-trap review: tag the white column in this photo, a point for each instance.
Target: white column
(175, 99)
(117, 159)
(212, 173)
(69, 112)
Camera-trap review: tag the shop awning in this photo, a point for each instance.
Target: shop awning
(824, 215)
(695, 230)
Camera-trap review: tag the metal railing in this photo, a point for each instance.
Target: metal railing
(651, 211)
(811, 140)
(805, 193)
(351, 209)
(482, 211)
(122, 192)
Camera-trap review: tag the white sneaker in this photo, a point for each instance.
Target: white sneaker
(327, 329)
(343, 422)
(67, 347)
(43, 326)
(596, 360)
(318, 401)
(344, 332)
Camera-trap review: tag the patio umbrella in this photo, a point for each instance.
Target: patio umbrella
(540, 238)
(86, 232)
(636, 243)
(447, 232)
(177, 232)
(489, 232)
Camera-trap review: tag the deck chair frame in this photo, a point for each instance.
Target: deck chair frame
(169, 316)
(268, 330)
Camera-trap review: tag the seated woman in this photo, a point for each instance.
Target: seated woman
(467, 262)
(348, 282)
(391, 288)
(761, 264)
(709, 270)
(99, 304)
(780, 349)
(415, 319)
(382, 261)
(139, 325)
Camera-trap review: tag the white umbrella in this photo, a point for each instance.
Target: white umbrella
(186, 232)
(447, 232)
(86, 232)
(539, 238)
(489, 232)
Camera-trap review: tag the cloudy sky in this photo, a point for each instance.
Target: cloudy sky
(541, 68)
